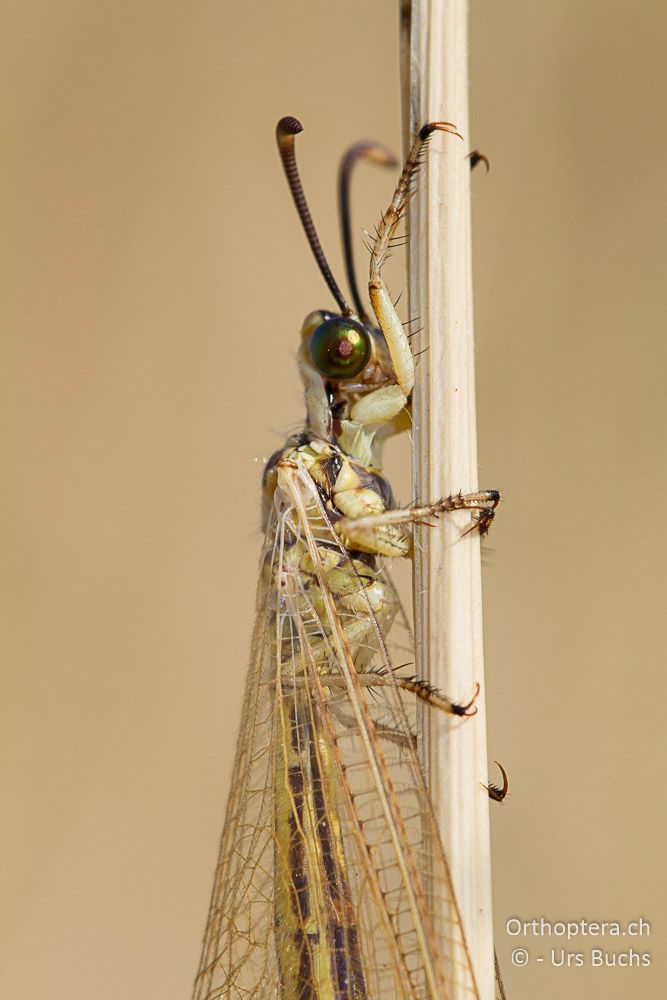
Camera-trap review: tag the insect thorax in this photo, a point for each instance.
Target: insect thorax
(347, 488)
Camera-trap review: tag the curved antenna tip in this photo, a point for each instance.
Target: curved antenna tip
(289, 125)
(286, 129)
(376, 152)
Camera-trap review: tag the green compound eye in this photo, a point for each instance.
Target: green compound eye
(313, 320)
(340, 347)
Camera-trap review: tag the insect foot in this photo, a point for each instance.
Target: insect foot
(495, 792)
(471, 708)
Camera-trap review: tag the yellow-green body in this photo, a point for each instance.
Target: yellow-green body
(317, 937)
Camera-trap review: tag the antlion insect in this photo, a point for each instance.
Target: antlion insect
(331, 882)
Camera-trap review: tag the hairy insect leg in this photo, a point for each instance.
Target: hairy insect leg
(483, 503)
(383, 307)
(421, 689)
(424, 692)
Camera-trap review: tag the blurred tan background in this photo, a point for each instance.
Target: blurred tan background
(154, 280)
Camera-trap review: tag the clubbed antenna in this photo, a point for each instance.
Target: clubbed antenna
(286, 129)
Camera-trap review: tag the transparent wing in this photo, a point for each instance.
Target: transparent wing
(237, 955)
(331, 883)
